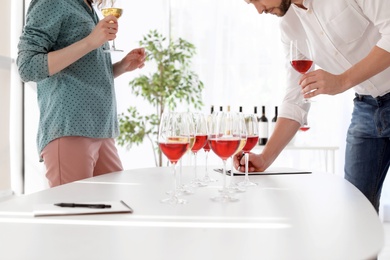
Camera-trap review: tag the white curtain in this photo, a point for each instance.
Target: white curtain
(239, 57)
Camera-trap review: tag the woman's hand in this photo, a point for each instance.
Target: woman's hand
(135, 59)
(103, 32)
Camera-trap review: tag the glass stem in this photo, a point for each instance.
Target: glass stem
(174, 181)
(113, 45)
(224, 177)
(196, 172)
(246, 166)
(207, 172)
(180, 173)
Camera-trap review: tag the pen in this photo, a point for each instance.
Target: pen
(79, 205)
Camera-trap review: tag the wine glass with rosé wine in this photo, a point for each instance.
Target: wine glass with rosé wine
(252, 138)
(200, 135)
(301, 57)
(174, 141)
(224, 139)
(207, 178)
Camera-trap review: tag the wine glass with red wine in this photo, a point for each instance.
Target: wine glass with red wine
(301, 58)
(252, 138)
(174, 141)
(224, 139)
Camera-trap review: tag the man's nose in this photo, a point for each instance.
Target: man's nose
(261, 9)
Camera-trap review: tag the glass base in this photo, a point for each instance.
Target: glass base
(224, 198)
(232, 188)
(174, 200)
(185, 189)
(247, 183)
(113, 50)
(116, 50)
(198, 183)
(208, 179)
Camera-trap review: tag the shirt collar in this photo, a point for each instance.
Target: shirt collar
(306, 3)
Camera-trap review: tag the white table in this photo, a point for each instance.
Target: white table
(303, 216)
(328, 153)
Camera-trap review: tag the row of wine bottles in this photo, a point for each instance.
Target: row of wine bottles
(265, 127)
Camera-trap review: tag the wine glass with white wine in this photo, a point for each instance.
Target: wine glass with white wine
(112, 8)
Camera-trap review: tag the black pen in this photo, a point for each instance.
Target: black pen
(79, 205)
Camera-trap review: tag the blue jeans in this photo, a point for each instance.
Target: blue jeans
(367, 154)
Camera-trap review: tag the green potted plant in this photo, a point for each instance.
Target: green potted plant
(173, 82)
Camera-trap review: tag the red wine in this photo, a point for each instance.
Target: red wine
(251, 142)
(224, 148)
(200, 141)
(302, 66)
(206, 147)
(174, 151)
(304, 128)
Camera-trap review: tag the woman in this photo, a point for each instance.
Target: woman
(62, 49)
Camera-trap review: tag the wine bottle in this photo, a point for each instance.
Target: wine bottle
(220, 108)
(273, 121)
(240, 109)
(211, 110)
(263, 127)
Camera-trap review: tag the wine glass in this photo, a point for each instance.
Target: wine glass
(234, 187)
(224, 139)
(112, 8)
(206, 148)
(301, 58)
(200, 135)
(252, 128)
(302, 140)
(185, 188)
(174, 140)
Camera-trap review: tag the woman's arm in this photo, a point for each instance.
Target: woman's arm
(104, 31)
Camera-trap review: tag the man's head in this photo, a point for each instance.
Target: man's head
(275, 7)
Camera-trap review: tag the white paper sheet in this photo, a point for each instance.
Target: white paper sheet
(269, 171)
(53, 210)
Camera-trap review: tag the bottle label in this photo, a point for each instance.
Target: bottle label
(263, 129)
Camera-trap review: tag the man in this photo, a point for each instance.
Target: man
(350, 40)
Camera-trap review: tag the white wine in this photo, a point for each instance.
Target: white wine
(117, 12)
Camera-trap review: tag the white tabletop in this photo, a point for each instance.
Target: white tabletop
(301, 216)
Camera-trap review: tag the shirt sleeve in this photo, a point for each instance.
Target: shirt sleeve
(39, 37)
(378, 11)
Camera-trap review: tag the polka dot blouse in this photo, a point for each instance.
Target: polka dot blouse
(79, 100)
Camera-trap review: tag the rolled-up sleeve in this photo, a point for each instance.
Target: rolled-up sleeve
(37, 40)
